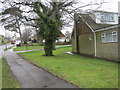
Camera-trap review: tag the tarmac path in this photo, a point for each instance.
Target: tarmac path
(31, 76)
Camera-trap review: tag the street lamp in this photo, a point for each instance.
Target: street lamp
(4, 38)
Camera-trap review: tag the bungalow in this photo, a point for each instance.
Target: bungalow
(61, 38)
(97, 34)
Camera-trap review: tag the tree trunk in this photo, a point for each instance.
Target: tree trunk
(53, 48)
(19, 30)
(48, 47)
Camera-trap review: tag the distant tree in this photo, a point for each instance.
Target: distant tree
(12, 18)
(25, 35)
(8, 37)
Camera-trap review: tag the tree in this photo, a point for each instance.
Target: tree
(49, 22)
(11, 18)
(25, 35)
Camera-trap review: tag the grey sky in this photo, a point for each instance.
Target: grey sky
(110, 6)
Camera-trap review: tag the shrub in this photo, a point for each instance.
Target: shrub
(34, 41)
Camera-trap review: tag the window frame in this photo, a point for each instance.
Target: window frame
(107, 17)
(116, 34)
(104, 36)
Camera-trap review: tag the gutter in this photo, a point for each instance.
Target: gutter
(107, 28)
(95, 43)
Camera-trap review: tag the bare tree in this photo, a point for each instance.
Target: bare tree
(12, 18)
(25, 35)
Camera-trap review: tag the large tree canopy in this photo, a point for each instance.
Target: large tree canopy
(49, 22)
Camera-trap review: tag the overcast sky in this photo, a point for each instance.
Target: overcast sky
(110, 6)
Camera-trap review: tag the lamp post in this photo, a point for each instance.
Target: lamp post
(5, 43)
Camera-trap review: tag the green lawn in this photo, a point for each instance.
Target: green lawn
(34, 44)
(22, 48)
(82, 71)
(8, 80)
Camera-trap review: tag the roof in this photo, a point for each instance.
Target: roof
(108, 28)
(35, 36)
(61, 35)
(105, 11)
(95, 26)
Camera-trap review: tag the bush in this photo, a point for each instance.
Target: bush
(18, 45)
(60, 43)
(34, 41)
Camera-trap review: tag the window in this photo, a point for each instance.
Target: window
(107, 17)
(109, 37)
(103, 38)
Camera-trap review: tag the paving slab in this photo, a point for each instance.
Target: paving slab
(31, 76)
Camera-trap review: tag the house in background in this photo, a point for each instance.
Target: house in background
(37, 38)
(61, 38)
(96, 35)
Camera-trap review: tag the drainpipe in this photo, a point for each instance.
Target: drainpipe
(95, 43)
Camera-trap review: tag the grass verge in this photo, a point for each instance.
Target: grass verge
(22, 48)
(83, 71)
(8, 80)
(8, 48)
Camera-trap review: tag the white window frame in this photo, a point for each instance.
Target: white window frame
(111, 17)
(114, 32)
(103, 36)
(107, 17)
(115, 35)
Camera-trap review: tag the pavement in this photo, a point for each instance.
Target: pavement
(31, 76)
(40, 49)
(2, 47)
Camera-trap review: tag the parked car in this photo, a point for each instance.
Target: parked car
(12, 42)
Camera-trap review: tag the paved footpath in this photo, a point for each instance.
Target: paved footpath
(39, 49)
(31, 76)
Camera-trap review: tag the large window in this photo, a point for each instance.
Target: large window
(107, 17)
(109, 37)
